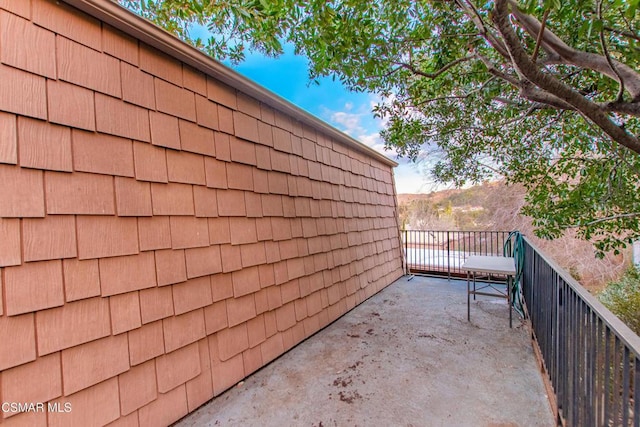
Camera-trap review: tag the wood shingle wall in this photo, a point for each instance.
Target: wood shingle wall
(162, 235)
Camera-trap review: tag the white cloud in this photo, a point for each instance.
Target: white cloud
(350, 123)
(374, 141)
(358, 122)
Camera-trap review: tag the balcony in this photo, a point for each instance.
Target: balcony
(406, 356)
(409, 356)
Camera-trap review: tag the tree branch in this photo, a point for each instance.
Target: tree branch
(519, 118)
(435, 74)
(457, 97)
(605, 51)
(470, 10)
(530, 134)
(628, 34)
(571, 56)
(552, 85)
(621, 107)
(535, 94)
(608, 218)
(526, 89)
(493, 70)
(534, 55)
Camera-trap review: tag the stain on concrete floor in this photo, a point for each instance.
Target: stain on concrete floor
(405, 357)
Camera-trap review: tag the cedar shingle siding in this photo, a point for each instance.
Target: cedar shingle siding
(162, 234)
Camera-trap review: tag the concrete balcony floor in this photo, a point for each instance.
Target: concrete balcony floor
(405, 357)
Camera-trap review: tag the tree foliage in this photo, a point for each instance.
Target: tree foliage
(545, 93)
(622, 297)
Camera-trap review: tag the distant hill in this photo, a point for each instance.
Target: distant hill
(457, 197)
(496, 206)
(434, 196)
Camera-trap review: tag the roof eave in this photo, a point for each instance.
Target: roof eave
(149, 33)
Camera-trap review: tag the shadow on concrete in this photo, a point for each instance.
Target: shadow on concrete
(405, 357)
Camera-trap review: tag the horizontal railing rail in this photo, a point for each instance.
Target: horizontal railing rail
(591, 357)
(444, 252)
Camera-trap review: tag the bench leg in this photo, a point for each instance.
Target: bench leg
(509, 285)
(468, 299)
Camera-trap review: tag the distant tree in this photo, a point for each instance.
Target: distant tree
(425, 215)
(545, 93)
(403, 215)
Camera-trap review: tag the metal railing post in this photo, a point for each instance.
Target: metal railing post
(405, 234)
(448, 258)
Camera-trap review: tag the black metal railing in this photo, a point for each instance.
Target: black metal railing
(591, 357)
(444, 252)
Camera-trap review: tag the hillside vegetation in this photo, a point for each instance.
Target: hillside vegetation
(496, 206)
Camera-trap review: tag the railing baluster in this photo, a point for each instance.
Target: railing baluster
(607, 376)
(636, 392)
(448, 257)
(573, 366)
(616, 395)
(600, 388)
(560, 333)
(491, 242)
(589, 366)
(577, 361)
(406, 249)
(626, 392)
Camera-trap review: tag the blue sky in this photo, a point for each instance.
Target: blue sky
(330, 101)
